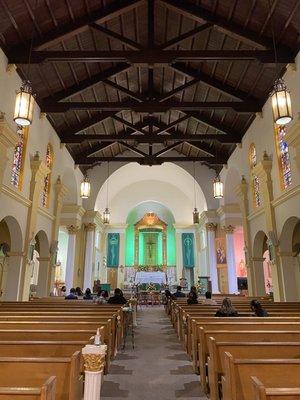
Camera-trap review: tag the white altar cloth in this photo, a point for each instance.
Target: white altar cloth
(153, 277)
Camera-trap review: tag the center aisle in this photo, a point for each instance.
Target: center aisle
(158, 368)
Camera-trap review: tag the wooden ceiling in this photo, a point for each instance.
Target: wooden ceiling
(146, 77)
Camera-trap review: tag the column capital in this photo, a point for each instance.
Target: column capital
(229, 229)
(210, 226)
(73, 229)
(90, 226)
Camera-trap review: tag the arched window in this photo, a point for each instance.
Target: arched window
(19, 158)
(283, 154)
(47, 182)
(254, 178)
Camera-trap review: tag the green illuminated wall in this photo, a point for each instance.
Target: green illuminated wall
(134, 216)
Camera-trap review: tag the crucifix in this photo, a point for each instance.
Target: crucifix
(149, 246)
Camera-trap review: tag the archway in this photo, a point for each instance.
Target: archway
(261, 265)
(41, 264)
(290, 258)
(11, 243)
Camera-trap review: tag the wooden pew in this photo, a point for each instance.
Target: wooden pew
(240, 336)
(22, 371)
(237, 384)
(261, 350)
(45, 392)
(40, 348)
(263, 393)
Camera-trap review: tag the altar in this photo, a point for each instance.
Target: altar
(150, 277)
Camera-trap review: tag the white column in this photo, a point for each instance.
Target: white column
(89, 255)
(94, 359)
(70, 257)
(232, 280)
(212, 257)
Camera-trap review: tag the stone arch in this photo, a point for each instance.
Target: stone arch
(11, 265)
(259, 263)
(43, 248)
(289, 251)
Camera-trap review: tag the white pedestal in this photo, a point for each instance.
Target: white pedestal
(94, 358)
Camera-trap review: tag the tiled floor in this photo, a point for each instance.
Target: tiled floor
(157, 369)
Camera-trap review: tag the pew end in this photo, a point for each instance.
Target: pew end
(45, 392)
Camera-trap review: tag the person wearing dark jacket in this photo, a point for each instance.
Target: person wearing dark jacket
(192, 298)
(88, 295)
(118, 297)
(256, 307)
(227, 309)
(178, 292)
(72, 295)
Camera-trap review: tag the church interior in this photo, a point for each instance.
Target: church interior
(150, 153)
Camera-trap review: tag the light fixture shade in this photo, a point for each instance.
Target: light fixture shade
(85, 188)
(23, 114)
(196, 216)
(281, 103)
(218, 188)
(106, 216)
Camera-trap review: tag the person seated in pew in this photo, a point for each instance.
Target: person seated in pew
(192, 298)
(257, 308)
(88, 295)
(208, 300)
(178, 292)
(72, 295)
(118, 297)
(79, 291)
(101, 297)
(227, 309)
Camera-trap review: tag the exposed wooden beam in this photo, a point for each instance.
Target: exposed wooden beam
(212, 82)
(124, 90)
(94, 149)
(167, 127)
(166, 96)
(211, 122)
(68, 30)
(68, 137)
(184, 36)
(167, 149)
(88, 83)
(152, 106)
(134, 149)
(128, 42)
(199, 13)
(129, 125)
(206, 148)
(151, 32)
(148, 56)
(88, 123)
(149, 160)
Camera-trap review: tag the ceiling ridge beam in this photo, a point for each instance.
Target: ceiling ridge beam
(68, 137)
(151, 57)
(199, 13)
(123, 39)
(212, 82)
(247, 106)
(184, 36)
(80, 24)
(87, 83)
(150, 160)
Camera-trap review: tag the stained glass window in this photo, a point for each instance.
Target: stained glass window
(19, 158)
(283, 157)
(254, 178)
(46, 190)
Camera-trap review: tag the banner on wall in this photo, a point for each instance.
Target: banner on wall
(221, 251)
(113, 245)
(188, 250)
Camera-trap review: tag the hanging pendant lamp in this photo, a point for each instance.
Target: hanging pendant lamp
(281, 103)
(23, 114)
(218, 188)
(85, 188)
(106, 213)
(196, 216)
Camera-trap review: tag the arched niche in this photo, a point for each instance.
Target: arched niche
(11, 234)
(42, 247)
(261, 264)
(289, 250)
